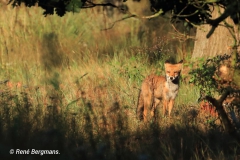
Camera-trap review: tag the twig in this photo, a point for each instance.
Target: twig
(91, 5)
(117, 22)
(152, 16)
(83, 75)
(188, 15)
(181, 36)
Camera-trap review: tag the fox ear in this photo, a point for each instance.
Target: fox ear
(167, 61)
(180, 61)
(180, 65)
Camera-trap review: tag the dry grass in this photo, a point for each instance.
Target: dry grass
(62, 89)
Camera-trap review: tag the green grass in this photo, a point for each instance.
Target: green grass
(74, 88)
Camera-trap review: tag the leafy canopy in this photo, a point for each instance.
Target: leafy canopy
(59, 6)
(194, 11)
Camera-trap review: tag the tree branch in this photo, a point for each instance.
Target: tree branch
(91, 5)
(188, 15)
(117, 22)
(180, 36)
(230, 9)
(153, 16)
(227, 125)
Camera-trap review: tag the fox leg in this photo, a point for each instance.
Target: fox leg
(147, 106)
(165, 104)
(140, 107)
(155, 104)
(170, 106)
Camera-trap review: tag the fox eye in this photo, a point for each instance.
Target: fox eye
(168, 71)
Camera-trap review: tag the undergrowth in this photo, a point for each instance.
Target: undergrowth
(62, 90)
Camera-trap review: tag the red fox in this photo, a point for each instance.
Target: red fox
(159, 88)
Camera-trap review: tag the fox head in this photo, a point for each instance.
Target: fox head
(173, 70)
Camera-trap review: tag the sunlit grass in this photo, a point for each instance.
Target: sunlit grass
(67, 85)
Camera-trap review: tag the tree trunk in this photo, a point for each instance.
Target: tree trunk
(220, 41)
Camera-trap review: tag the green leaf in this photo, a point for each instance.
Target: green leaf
(74, 6)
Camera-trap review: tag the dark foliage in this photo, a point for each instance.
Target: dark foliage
(190, 12)
(195, 12)
(59, 6)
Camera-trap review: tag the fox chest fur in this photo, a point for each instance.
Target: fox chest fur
(171, 90)
(160, 88)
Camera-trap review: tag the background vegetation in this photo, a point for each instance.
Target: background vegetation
(74, 88)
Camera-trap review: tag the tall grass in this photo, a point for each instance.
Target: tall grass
(68, 86)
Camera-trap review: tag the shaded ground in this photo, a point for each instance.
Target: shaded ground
(93, 133)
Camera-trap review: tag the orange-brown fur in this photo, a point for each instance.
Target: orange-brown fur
(159, 88)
